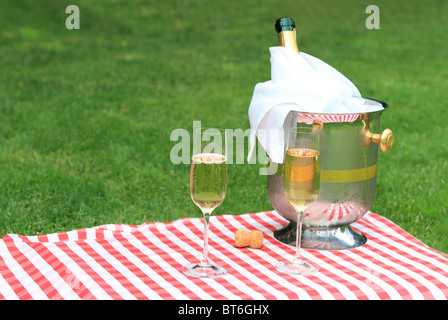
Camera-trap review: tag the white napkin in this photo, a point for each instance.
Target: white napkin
(299, 82)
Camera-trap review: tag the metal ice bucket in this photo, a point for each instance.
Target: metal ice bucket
(349, 154)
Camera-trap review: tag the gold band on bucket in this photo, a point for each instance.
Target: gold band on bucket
(352, 175)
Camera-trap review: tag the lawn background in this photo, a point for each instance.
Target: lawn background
(86, 115)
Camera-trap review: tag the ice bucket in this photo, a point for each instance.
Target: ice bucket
(349, 154)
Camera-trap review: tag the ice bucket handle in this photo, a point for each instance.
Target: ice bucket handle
(384, 139)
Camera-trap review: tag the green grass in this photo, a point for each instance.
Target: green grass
(86, 115)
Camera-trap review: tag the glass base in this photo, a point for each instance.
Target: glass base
(204, 271)
(296, 266)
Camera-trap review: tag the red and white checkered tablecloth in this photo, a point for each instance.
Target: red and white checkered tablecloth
(145, 262)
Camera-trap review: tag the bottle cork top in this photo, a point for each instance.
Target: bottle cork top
(284, 24)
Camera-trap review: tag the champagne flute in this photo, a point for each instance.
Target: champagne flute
(208, 186)
(301, 179)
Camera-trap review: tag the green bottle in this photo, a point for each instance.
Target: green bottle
(286, 33)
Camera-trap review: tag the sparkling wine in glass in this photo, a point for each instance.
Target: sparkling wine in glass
(301, 179)
(208, 186)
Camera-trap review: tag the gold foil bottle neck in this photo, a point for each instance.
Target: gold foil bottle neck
(288, 39)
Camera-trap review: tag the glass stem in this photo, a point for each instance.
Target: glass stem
(297, 256)
(204, 261)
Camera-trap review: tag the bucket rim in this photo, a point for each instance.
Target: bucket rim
(383, 104)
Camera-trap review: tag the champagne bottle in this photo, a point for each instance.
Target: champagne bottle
(286, 33)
